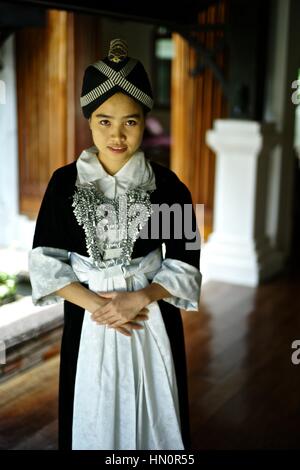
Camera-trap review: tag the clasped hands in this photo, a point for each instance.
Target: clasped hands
(121, 310)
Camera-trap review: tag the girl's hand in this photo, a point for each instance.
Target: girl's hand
(127, 327)
(122, 308)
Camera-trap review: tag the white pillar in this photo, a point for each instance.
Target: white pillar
(16, 230)
(239, 250)
(8, 144)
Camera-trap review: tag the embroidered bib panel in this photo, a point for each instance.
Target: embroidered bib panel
(111, 226)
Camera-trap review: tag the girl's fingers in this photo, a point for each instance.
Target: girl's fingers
(134, 326)
(142, 316)
(107, 321)
(123, 331)
(103, 317)
(116, 324)
(121, 323)
(130, 325)
(112, 320)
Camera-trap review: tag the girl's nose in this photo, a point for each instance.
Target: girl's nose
(118, 134)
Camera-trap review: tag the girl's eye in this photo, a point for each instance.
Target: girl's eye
(104, 122)
(131, 122)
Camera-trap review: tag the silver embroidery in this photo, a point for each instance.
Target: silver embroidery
(124, 217)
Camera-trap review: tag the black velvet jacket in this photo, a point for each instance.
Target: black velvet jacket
(57, 226)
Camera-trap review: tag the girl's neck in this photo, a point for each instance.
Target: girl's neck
(112, 167)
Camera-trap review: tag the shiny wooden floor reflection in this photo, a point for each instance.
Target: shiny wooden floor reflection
(244, 389)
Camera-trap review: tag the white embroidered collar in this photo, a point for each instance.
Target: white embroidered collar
(136, 172)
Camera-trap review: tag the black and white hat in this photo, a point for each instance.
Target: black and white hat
(116, 72)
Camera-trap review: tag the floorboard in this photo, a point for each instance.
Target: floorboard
(243, 387)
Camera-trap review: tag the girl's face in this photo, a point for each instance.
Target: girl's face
(117, 128)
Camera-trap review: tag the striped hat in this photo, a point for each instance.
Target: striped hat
(116, 72)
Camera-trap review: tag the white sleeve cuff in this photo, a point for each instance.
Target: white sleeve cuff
(182, 280)
(49, 271)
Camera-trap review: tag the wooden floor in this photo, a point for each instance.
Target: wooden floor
(244, 389)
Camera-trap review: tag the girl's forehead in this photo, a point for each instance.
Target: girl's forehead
(119, 104)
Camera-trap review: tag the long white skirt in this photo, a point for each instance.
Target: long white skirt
(125, 390)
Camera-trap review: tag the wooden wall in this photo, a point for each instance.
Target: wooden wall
(196, 102)
(50, 63)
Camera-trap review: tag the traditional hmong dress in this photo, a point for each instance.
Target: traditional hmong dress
(104, 231)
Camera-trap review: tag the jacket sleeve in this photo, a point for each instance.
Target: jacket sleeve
(180, 271)
(49, 267)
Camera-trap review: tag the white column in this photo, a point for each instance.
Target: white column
(239, 250)
(8, 144)
(16, 230)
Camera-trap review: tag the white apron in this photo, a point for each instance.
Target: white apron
(125, 391)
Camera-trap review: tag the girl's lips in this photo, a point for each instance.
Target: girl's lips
(118, 149)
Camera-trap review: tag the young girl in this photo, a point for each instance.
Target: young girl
(114, 240)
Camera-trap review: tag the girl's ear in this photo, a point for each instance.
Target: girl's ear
(90, 122)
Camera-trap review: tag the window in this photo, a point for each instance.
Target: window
(163, 51)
